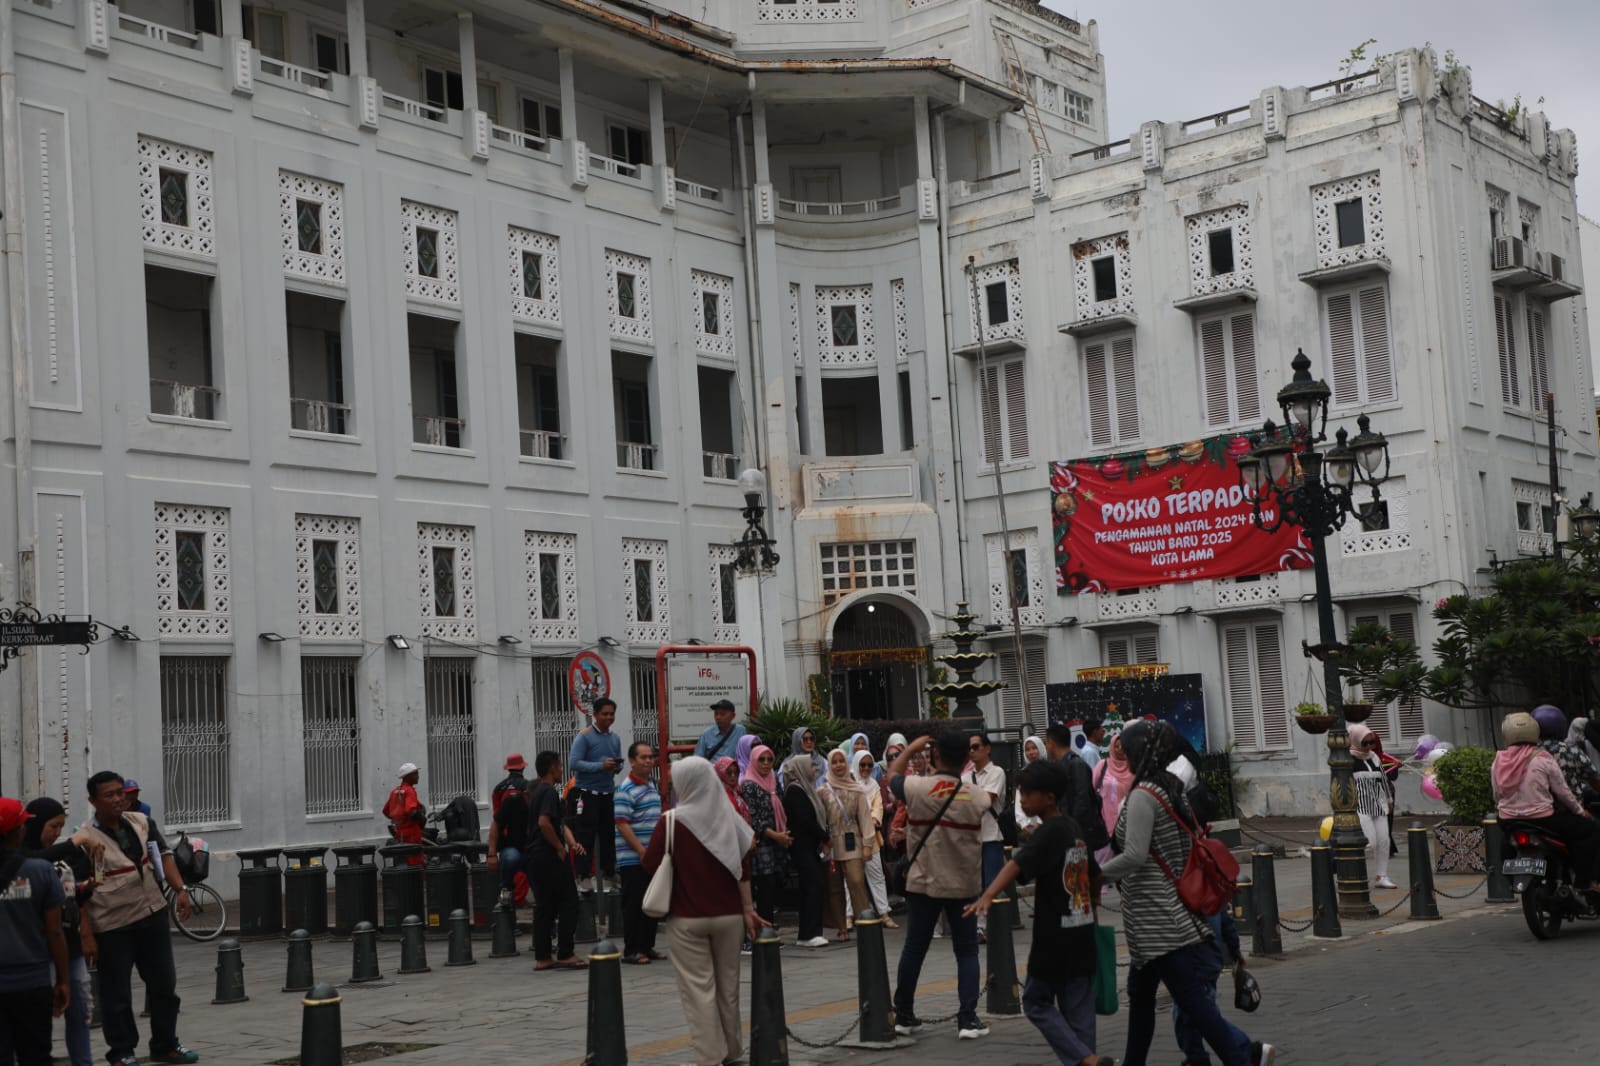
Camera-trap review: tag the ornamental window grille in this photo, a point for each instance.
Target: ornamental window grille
(534, 271)
(551, 562)
(646, 719)
(196, 745)
(554, 717)
(806, 10)
(712, 313)
(1103, 277)
(844, 328)
(1347, 217)
(645, 595)
(1253, 686)
(1231, 388)
(628, 295)
(1247, 589)
(192, 572)
(176, 208)
(1356, 333)
(1498, 200)
(851, 566)
(1018, 565)
(999, 307)
(1221, 250)
(795, 345)
(1111, 390)
(447, 684)
(311, 220)
(1528, 223)
(429, 252)
(328, 576)
(446, 581)
(330, 725)
(1535, 518)
(1379, 526)
(722, 574)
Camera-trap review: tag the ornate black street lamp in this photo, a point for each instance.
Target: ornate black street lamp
(1289, 482)
(755, 554)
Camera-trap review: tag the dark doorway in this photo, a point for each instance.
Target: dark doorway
(877, 663)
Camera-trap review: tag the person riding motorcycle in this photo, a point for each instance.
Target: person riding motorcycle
(1529, 787)
(1555, 737)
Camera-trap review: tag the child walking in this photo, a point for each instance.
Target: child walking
(1058, 997)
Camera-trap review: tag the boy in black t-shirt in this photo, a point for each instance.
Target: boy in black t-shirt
(1059, 995)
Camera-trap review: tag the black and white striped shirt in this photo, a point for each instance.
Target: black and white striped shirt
(1154, 919)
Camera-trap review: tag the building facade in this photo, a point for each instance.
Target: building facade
(371, 362)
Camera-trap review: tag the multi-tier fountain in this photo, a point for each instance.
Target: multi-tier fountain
(965, 662)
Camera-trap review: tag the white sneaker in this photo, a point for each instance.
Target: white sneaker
(971, 1030)
(815, 942)
(1265, 1056)
(1384, 882)
(585, 884)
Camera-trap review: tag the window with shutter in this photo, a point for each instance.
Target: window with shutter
(1125, 381)
(1147, 647)
(1254, 688)
(989, 412)
(1141, 646)
(1246, 386)
(1342, 348)
(1240, 692)
(1013, 712)
(1228, 369)
(1214, 372)
(1016, 411)
(1538, 357)
(1269, 676)
(1506, 341)
(1360, 363)
(1117, 651)
(1376, 365)
(1003, 408)
(1098, 394)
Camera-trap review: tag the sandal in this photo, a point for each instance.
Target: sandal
(890, 923)
(656, 956)
(562, 964)
(640, 959)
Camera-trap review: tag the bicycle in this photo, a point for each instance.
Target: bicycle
(208, 913)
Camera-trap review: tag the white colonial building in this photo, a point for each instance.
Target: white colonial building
(370, 360)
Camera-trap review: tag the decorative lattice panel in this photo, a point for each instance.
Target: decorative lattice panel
(1132, 604)
(428, 248)
(1243, 274)
(724, 613)
(850, 566)
(806, 10)
(1240, 592)
(311, 223)
(1084, 253)
(711, 311)
(184, 575)
(795, 345)
(462, 621)
(1324, 202)
(1353, 540)
(1009, 274)
(175, 199)
(844, 325)
(902, 320)
(645, 600)
(1030, 601)
(533, 270)
(1498, 200)
(629, 300)
(551, 562)
(312, 571)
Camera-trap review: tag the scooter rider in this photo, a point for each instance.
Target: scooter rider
(405, 811)
(1528, 787)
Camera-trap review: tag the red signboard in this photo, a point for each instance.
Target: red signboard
(587, 680)
(1162, 515)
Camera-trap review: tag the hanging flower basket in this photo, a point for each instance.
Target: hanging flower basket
(1357, 712)
(1314, 723)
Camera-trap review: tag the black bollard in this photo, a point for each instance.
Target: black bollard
(1494, 846)
(1423, 906)
(1265, 938)
(1244, 905)
(230, 973)
(364, 953)
(1004, 995)
(1324, 900)
(298, 976)
(355, 888)
(413, 949)
(504, 920)
(1016, 902)
(607, 1043)
(321, 1035)
(586, 932)
(460, 951)
(872, 980)
(769, 1022)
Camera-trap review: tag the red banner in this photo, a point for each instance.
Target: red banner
(1162, 515)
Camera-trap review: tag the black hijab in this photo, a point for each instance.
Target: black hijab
(1150, 748)
(43, 810)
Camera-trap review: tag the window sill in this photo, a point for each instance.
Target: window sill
(203, 827)
(987, 469)
(638, 345)
(332, 438)
(440, 449)
(1324, 277)
(662, 474)
(1213, 301)
(202, 423)
(341, 816)
(534, 460)
(997, 346)
(1089, 327)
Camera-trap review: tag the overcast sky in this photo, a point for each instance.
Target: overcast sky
(1176, 59)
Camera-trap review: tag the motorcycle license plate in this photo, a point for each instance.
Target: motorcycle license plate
(1523, 867)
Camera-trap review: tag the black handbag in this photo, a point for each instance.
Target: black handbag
(1246, 992)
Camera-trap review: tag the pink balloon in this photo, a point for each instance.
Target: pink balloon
(1430, 788)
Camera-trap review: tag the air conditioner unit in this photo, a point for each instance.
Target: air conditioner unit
(1510, 252)
(1556, 267)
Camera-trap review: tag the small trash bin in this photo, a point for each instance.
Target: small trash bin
(305, 890)
(446, 878)
(260, 893)
(402, 885)
(485, 888)
(355, 887)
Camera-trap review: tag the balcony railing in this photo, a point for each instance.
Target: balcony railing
(815, 209)
(698, 191)
(319, 416)
(157, 32)
(1533, 542)
(1105, 151)
(634, 456)
(528, 142)
(437, 430)
(543, 444)
(182, 400)
(414, 108)
(304, 76)
(615, 167)
(722, 465)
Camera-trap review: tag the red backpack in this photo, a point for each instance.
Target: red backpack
(1207, 882)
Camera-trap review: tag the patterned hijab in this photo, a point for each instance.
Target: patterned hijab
(768, 783)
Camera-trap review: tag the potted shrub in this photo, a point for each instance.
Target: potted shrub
(1463, 779)
(1313, 718)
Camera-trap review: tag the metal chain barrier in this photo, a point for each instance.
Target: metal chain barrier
(798, 1039)
(1290, 927)
(1398, 904)
(1465, 895)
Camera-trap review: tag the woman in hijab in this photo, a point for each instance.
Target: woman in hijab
(1372, 799)
(1529, 787)
(807, 817)
(1032, 751)
(1581, 735)
(712, 910)
(727, 769)
(851, 842)
(1113, 777)
(861, 767)
(759, 787)
(41, 839)
(742, 750)
(804, 742)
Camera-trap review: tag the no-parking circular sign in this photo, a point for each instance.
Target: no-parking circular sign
(587, 680)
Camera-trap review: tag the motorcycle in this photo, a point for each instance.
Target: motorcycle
(1540, 871)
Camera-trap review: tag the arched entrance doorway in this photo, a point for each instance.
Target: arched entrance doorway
(877, 661)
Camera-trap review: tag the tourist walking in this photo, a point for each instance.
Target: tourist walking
(850, 833)
(596, 759)
(943, 826)
(759, 787)
(862, 767)
(41, 839)
(638, 810)
(723, 736)
(1372, 799)
(1113, 777)
(34, 985)
(551, 855)
(807, 816)
(711, 910)
(514, 781)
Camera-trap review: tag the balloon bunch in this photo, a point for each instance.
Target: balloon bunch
(1430, 749)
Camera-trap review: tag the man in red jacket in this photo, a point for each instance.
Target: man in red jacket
(405, 811)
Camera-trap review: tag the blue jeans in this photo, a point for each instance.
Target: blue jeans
(922, 914)
(994, 860)
(1186, 973)
(1189, 1039)
(510, 866)
(80, 1051)
(1063, 1012)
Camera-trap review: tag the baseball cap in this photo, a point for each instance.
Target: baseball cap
(130, 785)
(723, 705)
(515, 761)
(407, 768)
(12, 814)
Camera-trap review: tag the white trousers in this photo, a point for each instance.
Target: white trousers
(877, 886)
(705, 959)
(1376, 830)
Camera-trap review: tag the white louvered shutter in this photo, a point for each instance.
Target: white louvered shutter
(1240, 687)
(1377, 365)
(1011, 695)
(1246, 387)
(1342, 349)
(1147, 647)
(1538, 358)
(1274, 708)
(989, 409)
(1214, 371)
(1408, 717)
(1117, 651)
(1127, 388)
(1510, 386)
(1098, 394)
(1016, 411)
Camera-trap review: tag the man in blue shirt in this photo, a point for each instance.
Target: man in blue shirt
(638, 809)
(595, 759)
(723, 738)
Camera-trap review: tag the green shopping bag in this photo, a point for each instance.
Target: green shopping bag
(1105, 969)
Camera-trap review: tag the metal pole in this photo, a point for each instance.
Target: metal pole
(1555, 477)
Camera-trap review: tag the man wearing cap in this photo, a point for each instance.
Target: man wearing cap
(509, 827)
(723, 738)
(514, 781)
(405, 811)
(130, 789)
(30, 943)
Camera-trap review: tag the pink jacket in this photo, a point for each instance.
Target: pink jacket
(1528, 783)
